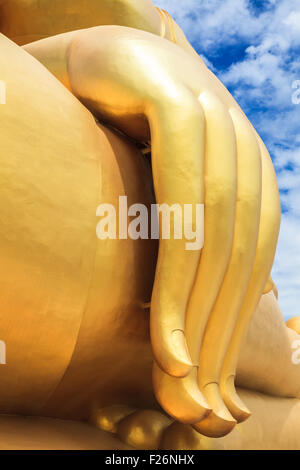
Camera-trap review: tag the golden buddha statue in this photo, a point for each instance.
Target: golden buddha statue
(145, 340)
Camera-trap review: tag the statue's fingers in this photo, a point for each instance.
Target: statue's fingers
(180, 397)
(177, 135)
(220, 201)
(266, 247)
(226, 310)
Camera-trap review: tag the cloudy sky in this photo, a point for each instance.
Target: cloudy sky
(254, 48)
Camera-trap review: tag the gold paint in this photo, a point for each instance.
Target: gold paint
(72, 307)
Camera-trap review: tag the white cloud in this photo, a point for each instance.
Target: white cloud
(211, 22)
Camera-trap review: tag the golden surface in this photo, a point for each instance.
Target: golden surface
(71, 310)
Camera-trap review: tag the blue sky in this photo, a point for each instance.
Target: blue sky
(253, 46)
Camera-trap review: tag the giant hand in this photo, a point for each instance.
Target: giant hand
(203, 151)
